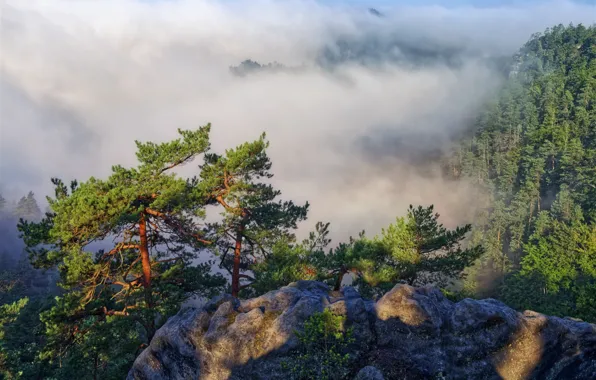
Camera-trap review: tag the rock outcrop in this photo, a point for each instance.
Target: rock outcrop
(410, 333)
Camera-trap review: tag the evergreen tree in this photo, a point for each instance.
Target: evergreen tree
(418, 250)
(117, 297)
(535, 143)
(252, 219)
(24, 294)
(558, 273)
(27, 208)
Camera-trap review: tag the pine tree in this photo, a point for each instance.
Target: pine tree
(253, 220)
(27, 208)
(558, 273)
(416, 249)
(535, 141)
(117, 297)
(495, 237)
(423, 251)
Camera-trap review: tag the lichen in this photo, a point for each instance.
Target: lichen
(231, 318)
(269, 316)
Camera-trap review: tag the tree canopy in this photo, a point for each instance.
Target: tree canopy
(252, 221)
(147, 223)
(534, 154)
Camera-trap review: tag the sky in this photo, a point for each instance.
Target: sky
(82, 79)
(445, 3)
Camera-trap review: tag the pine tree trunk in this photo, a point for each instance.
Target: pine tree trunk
(146, 265)
(236, 269)
(144, 248)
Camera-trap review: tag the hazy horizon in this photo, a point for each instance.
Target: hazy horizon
(354, 133)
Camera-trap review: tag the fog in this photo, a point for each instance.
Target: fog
(356, 132)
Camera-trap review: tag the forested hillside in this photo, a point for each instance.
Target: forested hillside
(534, 152)
(133, 247)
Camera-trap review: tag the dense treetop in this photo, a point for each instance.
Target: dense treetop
(534, 153)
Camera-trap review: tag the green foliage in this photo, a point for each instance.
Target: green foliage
(22, 280)
(286, 263)
(424, 250)
(23, 297)
(124, 248)
(322, 351)
(454, 296)
(534, 154)
(253, 221)
(21, 339)
(27, 208)
(114, 299)
(9, 312)
(416, 249)
(10, 284)
(559, 266)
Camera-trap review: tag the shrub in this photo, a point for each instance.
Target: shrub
(322, 351)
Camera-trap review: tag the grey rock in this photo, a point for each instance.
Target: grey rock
(311, 286)
(369, 373)
(349, 293)
(410, 333)
(275, 300)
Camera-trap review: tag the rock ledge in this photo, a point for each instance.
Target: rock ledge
(410, 333)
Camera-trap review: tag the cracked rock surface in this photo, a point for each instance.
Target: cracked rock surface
(409, 333)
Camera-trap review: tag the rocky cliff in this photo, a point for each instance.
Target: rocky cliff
(410, 333)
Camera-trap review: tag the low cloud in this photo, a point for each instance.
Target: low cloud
(355, 131)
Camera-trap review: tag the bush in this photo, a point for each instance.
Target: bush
(322, 352)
